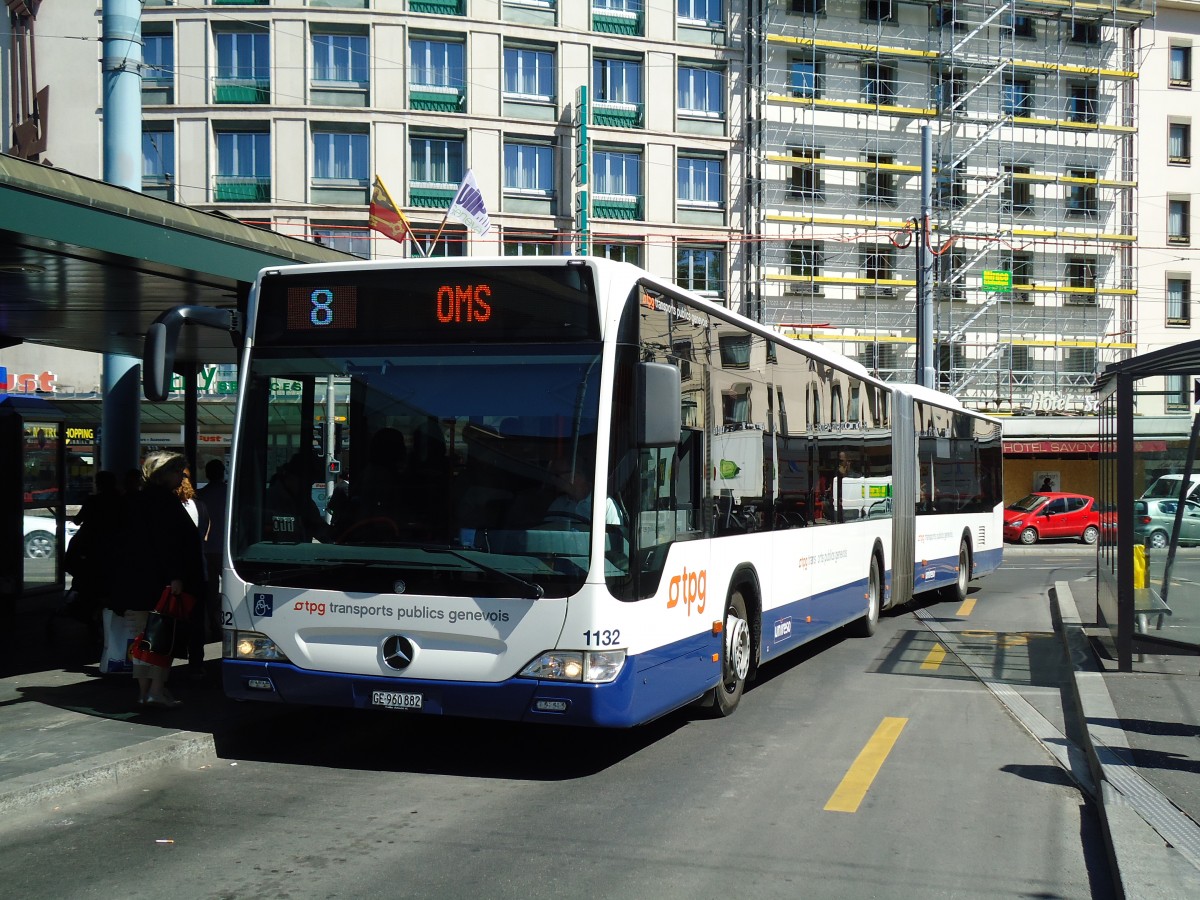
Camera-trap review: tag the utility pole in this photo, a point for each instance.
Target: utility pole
(925, 374)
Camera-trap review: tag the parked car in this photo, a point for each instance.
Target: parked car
(1166, 487)
(1052, 514)
(1153, 521)
(39, 536)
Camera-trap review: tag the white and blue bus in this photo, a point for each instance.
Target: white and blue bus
(566, 491)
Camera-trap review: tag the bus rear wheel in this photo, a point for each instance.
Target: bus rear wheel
(865, 627)
(958, 591)
(735, 656)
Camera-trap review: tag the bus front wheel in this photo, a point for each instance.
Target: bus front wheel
(735, 656)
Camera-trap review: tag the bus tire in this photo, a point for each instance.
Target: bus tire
(735, 656)
(865, 627)
(957, 592)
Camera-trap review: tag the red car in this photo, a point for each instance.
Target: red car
(1052, 514)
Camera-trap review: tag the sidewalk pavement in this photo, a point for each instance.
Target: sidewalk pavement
(65, 728)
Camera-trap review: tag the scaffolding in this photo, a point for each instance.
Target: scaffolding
(1032, 108)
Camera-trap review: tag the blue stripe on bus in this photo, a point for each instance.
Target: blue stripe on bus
(650, 684)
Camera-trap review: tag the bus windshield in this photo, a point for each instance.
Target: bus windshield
(465, 470)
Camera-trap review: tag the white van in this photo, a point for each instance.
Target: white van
(1166, 487)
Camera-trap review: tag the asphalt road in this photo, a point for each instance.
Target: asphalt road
(853, 768)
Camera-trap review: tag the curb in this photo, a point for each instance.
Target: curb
(1144, 864)
(105, 770)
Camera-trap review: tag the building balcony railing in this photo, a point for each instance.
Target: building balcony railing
(431, 195)
(436, 98)
(616, 206)
(617, 115)
(242, 90)
(611, 21)
(437, 7)
(242, 189)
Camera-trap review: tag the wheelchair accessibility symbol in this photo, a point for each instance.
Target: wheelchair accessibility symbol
(264, 605)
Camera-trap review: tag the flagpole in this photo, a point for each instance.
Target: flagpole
(408, 229)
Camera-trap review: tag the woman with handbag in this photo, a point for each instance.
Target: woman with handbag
(164, 565)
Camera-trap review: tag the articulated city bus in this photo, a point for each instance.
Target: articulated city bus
(564, 490)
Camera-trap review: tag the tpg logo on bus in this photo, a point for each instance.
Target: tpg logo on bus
(690, 587)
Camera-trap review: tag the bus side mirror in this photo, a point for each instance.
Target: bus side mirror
(659, 418)
(162, 337)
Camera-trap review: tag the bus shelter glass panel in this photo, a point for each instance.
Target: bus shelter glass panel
(45, 491)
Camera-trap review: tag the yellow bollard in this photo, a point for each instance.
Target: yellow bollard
(1139, 566)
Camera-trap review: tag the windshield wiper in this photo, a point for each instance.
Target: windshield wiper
(533, 587)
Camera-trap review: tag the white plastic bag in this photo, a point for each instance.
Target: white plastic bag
(119, 632)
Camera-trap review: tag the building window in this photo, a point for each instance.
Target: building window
(805, 182)
(529, 73)
(878, 10)
(437, 78)
(700, 269)
(1179, 221)
(158, 72)
(1022, 276)
(875, 262)
(343, 59)
(808, 7)
(942, 16)
(158, 164)
(1085, 32)
(617, 80)
(529, 168)
(618, 172)
(1179, 143)
(347, 238)
(436, 162)
(952, 84)
(806, 78)
(1181, 66)
(878, 83)
(735, 351)
(701, 181)
(1017, 196)
(1081, 194)
(1018, 96)
(701, 12)
(341, 159)
(618, 250)
(878, 184)
(524, 243)
(243, 67)
(805, 259)
(617, 92)
(1020, 26)
(453, 241)
(701, 91)
(243, 167)
(1084, 105)
(1179, 398)
(950, 189)
(1179, 301)
(947, 266)
(1081, 272)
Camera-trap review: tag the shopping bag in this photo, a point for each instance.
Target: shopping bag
(156, 644)
(164, 638)
(119, 632)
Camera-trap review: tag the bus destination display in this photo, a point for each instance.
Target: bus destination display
(448, 306)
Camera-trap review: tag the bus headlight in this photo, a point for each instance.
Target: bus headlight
(588, 666)
(250, 645)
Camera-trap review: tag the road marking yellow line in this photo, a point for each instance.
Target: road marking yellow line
(967, 606)
(862, 771)
(934, 658)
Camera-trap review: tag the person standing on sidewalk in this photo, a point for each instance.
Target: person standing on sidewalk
(198, 512)
(214, 496)
(160, 547)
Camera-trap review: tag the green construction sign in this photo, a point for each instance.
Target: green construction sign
(997, 281)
